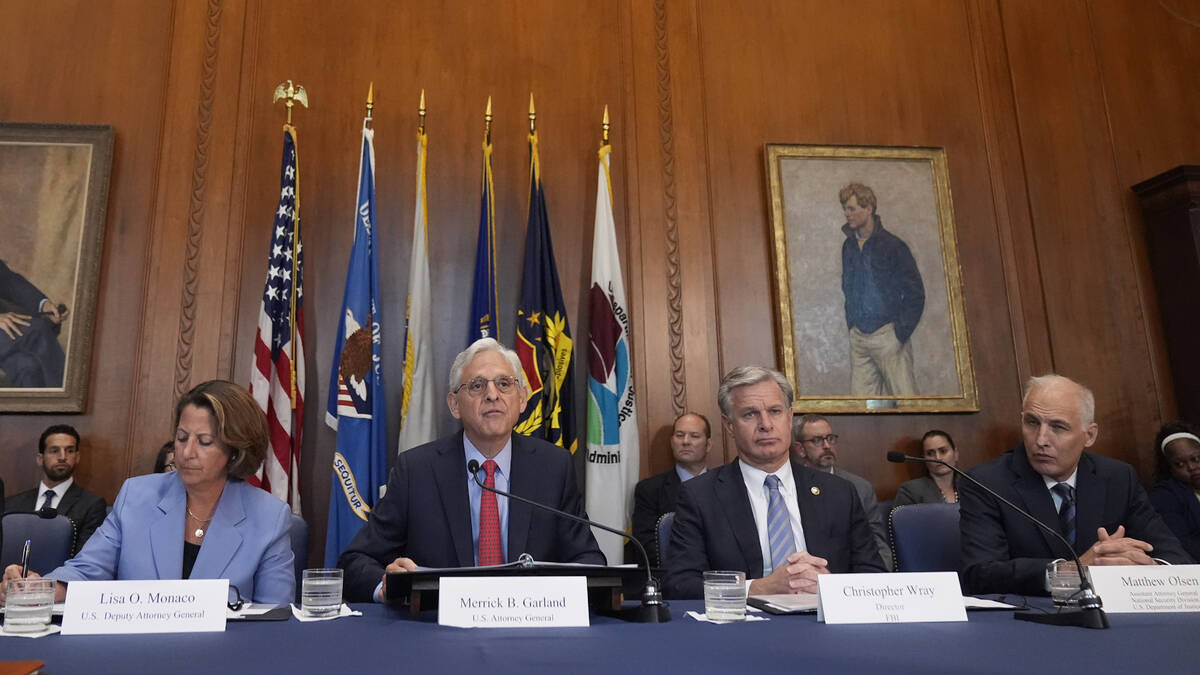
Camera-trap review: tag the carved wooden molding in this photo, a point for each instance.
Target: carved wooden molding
(187, 301)
(666, 131)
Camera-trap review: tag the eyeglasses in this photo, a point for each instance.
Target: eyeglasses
(477, 386)
(819, 440)
(1186, 462)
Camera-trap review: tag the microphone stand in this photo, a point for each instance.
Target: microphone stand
(1089, 614)
(652, 609)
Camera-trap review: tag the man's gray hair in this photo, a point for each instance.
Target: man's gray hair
(743, 376)
(798, 424)
(1087, 400)
(478, 347)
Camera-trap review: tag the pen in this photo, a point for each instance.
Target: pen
(25, 559)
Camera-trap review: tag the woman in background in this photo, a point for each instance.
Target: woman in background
(1177, 495)
(166, 458)
(202, 521)
(941, 485)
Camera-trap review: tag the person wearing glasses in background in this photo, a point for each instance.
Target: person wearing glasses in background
(941, 485)
(815, 445)
(434, 514)
(1177, 496)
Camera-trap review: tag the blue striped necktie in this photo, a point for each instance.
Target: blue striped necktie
(1066, 512)
(779, 526)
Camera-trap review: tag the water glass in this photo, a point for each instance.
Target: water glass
(28, 606)
(321, 592)
(725, 595)
(1062, 580)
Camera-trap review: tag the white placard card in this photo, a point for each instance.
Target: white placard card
(168, 606)
(512, 602)
(905, 597)
(1147, 588)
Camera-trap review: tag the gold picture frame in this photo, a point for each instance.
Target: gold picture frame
(54, 187)
(881, 360)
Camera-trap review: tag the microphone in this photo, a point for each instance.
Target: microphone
(653, 609)
(1090, 614)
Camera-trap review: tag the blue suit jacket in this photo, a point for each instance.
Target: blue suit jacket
(1176, 502)
(714, 527)
(426, 513)
(246, 542)
(1002, 552)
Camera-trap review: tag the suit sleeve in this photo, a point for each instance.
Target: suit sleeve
(97, 559)
(577, 541)
(1144, 523)
(687, 553)
(645, 519)
(383, 539)
(910, 290)
(905, 496)
(275, 575)
(16, 290)
(870, 504)
(865, 554)
(97, 511)
(987, 563)
(1175, 515)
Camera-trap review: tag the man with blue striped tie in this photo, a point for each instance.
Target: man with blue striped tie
(1095, 501)
(778, 521)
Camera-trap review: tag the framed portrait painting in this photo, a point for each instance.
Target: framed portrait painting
(869, 292)
(54, 188)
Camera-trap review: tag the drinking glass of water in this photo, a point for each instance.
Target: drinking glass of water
(321, 592)
(27, 608)
(725, 595)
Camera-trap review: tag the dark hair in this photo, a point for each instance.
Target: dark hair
(160, 462)
(938, 432)
(707, 426)
(57, 429)
(241, 425)
(798, 424)
(1161, 468)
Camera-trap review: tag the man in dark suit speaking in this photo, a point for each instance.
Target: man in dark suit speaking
(1095, 501)
(58, 453)
(434, 513)
(778, 521)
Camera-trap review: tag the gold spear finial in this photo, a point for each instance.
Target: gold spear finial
(370, 99)
(605, 126)
(421, 114)
(532, 114)
(291, 95)
(487, 122)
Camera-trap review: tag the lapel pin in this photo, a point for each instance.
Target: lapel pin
(815, 490)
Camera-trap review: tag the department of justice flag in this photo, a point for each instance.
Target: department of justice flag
(483, 295)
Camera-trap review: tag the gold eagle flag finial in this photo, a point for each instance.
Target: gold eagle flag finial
(291, 94)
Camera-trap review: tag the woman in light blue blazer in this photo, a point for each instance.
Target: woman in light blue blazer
(202, 521)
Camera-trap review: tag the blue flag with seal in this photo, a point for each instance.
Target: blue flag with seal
(357, 407)
(483, 297)
(543, 333)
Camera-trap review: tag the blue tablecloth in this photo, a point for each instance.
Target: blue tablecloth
(385, 640)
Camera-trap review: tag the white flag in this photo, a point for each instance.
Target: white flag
(612, 436)
(416, 406)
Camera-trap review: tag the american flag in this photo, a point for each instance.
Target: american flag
(277, 380)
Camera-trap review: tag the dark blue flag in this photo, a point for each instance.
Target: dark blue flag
(483, 298)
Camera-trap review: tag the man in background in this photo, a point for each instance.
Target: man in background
(691, 439)
(815, 445)
(58, 493)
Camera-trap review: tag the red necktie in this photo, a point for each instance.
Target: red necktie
(490, 550)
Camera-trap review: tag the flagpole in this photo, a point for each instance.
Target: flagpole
(370, 104)
(292, 94)
(604, 126)
(421, 115)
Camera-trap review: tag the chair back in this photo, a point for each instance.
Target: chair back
(925, 538)
(298, 531)
(51, 540)
(664, 534)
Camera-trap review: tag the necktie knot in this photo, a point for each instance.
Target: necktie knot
(490, 467)
(48, 498)
(1066, 491)
(772, 482)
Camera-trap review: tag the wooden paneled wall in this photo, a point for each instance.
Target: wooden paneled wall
(1048, 111)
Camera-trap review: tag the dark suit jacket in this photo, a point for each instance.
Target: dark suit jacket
(1002, 552)
(652, 498)
(86, 509)
(426, 514)
(1177, 504)
(714, 527)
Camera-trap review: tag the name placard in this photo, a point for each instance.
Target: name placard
(167, 606)
(512, 602)
(1147, 588)
(905, 597)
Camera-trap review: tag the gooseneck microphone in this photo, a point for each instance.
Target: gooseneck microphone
(1090, 614)
(653, 609)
